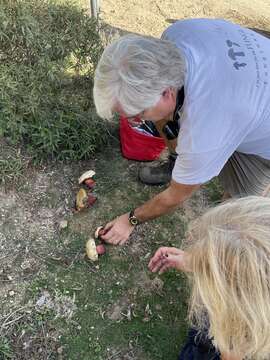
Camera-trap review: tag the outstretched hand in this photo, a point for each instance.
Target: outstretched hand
(169, 257)
(117, 231)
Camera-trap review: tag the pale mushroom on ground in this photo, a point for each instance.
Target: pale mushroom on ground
(87, 175)
(81, 199)
(97, 231)
(91, 250)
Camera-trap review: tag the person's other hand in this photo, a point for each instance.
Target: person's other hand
(117, 231)
(169, 257)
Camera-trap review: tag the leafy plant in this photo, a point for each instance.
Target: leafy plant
(5, 349)
(49, 51)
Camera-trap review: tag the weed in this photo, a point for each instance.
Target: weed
(5, 349)
(46, 78)
(214, 190)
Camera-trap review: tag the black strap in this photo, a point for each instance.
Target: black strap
(171, 129)
(179, 103)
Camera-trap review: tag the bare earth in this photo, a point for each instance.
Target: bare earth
(151, 17)
(43, 272)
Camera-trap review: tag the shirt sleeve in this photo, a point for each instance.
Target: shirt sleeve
(198, 168)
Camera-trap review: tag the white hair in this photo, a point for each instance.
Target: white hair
(134, 71)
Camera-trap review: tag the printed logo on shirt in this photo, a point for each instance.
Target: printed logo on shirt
(235, 54)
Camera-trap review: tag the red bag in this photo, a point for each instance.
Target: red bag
(138, 146)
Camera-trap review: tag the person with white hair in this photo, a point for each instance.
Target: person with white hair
(210, 76)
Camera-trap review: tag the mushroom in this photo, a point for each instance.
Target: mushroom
(87, 175)
(81, 199)
(101, 250)
(91, 199)
(91, 250)
(90, 183)
(97, 232)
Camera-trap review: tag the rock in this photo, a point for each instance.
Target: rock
(63, 224)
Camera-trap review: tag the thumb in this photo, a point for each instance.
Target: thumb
(108, 226)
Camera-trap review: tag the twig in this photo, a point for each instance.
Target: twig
(114, 355)
(119, 353)
(12, 321)
(6, 322)
(75, 258)
(45, 340)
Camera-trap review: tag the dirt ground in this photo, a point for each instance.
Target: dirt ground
(54, 303)
(153, 16)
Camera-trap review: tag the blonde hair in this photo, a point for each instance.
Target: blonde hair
(230, 260)
(134, 71)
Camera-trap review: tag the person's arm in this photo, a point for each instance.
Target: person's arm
(165, 202)
(119, 230)
(230, 357)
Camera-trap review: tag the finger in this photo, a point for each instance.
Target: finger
(110, 238)
(108, 226)
(161, 252)
(159, 264)
(156, 267)
(114, 240)
(164, 268)
(109, 233)
(154, 263)
(123, 241)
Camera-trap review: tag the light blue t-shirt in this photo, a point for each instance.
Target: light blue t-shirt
(227, 96)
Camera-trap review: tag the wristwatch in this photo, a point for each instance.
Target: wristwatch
(133, 220)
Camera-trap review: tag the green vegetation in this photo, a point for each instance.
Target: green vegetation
(55, 303)
(5, 349)
(49, 51)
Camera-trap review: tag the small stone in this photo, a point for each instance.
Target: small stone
(11, 293)
(60, 350)
(63, 224)
(41, 301)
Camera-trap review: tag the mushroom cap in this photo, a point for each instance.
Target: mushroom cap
(91, 250)
(97, 231)
(88, 174)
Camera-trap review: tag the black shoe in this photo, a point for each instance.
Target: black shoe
(159, 173)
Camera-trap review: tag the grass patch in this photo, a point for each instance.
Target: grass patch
(111, 309)
(12, 164)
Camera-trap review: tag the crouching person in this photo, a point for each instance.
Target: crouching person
(227, 258)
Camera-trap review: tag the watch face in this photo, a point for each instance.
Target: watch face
(133, 220)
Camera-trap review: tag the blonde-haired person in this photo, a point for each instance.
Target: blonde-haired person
(227, 255)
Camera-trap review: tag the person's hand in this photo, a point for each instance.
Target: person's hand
(117, 231)
(169, 257)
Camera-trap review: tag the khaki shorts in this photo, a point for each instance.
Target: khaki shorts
(245, 174)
